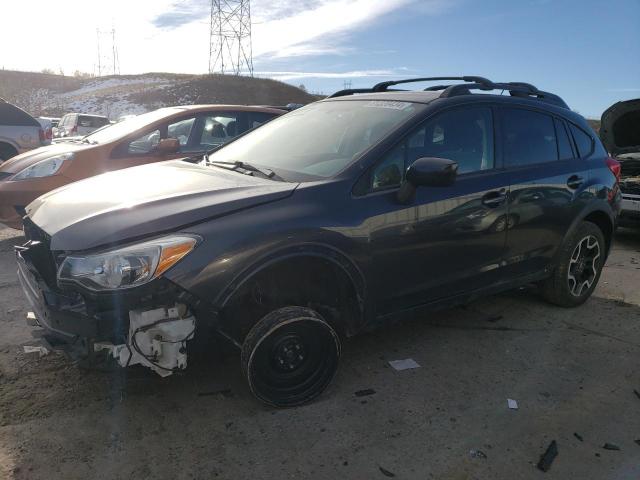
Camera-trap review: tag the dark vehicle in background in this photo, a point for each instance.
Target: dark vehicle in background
(19, 131)
(620, 132)
(79, 124)
(325, 222)
(163, 134)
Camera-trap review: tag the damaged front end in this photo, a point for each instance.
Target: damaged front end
(114, 301)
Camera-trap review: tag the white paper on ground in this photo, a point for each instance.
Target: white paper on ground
(513, 405)
(405, 364)
(42, 351)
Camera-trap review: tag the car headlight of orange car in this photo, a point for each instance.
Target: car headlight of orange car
(126, 267)
(44, 168)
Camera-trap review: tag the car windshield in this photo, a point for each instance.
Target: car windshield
(128, 126)
(318, 140)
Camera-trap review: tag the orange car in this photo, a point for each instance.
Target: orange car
(164, 134)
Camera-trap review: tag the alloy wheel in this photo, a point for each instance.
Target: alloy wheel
(583, 265)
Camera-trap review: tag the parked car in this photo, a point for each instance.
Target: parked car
(620, 132)
(79, 124)
(325, 222)
(48, 124)
(163, 134)
(19, 131)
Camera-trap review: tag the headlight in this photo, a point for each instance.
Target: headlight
(43, 168)
(126, 267)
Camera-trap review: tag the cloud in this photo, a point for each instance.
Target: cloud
(182, 13)
(279, 75)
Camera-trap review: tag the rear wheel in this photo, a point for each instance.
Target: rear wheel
(290, 356)
(579, 267)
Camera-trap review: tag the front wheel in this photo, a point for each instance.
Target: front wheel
(579, 267)
(290, 356)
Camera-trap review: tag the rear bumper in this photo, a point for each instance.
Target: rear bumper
(630, 211)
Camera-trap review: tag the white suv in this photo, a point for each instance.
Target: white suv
(79, 124)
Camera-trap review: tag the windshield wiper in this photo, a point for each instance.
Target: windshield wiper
(243, 167)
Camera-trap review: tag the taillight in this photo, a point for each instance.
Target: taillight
(614, 166)
(74, 129)
(41, 135)
(48, 134)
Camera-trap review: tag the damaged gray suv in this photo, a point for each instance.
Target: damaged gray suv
(323, 223)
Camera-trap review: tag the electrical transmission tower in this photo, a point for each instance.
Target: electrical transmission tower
(108, 62)
(230, 37)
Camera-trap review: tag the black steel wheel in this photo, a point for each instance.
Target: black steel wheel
(580, 263)
(290, 356)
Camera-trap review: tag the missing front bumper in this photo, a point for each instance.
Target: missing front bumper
(157, 339)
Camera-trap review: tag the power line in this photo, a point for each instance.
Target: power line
(230, 48)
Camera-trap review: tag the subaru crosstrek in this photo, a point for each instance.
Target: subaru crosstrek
(323, 223)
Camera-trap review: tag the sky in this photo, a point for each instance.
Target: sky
(586, 51)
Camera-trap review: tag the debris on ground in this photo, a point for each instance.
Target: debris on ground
(610, 446)
(494, 318)
(39, 349)
(637, 440)
(512, 404)
(365, 392)
(637, 393)
(547, 458)
(225, 392)
(477, 454)
(405, 364)
(387, 473)
(578, 436)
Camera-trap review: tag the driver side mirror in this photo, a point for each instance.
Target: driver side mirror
(427, 172)
(168, 145)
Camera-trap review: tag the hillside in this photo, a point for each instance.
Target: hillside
(44, 94)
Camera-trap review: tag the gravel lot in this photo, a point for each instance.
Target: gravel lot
(571, 371)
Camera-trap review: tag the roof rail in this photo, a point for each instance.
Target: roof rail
(515, 89)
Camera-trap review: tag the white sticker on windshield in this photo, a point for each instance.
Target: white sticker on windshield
(388, 104)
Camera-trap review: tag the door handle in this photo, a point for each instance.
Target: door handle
(574, 182)
(494, 198)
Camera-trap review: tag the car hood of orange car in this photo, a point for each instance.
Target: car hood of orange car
(114, 207)
(24, 160)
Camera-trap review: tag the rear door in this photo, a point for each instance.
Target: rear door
(548, 186)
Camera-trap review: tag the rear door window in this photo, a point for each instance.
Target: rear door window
(528, 137)
(258, 118)
(565, 152)
(89, 121)
(215, 129)
(584, 142)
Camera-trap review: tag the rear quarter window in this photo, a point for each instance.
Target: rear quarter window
(12, 115)
(584, 142)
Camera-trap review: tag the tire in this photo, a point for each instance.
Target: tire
(580, 263)
(6, 152)
(290, 356)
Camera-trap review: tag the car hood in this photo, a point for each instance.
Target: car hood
(141, 201)
(619, 127)
(24, 160)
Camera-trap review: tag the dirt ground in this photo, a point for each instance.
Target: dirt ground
(572, 372)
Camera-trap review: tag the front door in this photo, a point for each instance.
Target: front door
(449, 240)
